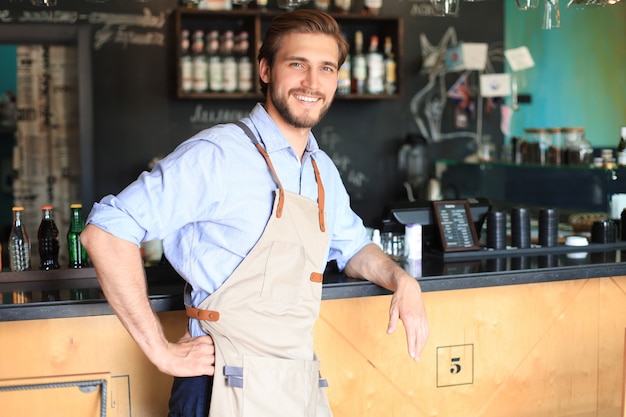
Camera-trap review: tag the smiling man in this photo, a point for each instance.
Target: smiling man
(249, 213)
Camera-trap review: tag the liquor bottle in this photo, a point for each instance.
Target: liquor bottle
(48, 238)
(621, 147)
(244, 65)
(216, 76)
(19, 243)
(77, 253)
(186, 65)
(372, 7)
(359, 65)
(343, 81)
(199, 63)
(322, 4)
(261, 5)
(229, 64)
(375, 68)
(390, 67)
(343, 6)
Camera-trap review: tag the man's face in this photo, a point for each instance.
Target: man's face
(303, 80)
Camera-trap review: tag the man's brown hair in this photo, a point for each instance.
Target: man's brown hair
(300, 21)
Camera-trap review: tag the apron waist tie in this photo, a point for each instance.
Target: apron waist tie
(206, 315)
(234, 377)
(196, 313)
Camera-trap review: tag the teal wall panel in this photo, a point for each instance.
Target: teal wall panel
(579, 78)
(8, 68)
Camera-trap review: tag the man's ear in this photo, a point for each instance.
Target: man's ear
(264, 71)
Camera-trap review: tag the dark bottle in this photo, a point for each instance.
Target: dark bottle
(19, 244)
(621, 146)
(77, 253)
(48, 237)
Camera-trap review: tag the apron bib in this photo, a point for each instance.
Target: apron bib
(261, 319)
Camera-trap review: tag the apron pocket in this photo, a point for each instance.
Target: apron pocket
(283, 273)
(275, 387)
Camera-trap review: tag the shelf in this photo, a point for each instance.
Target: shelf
(255, 22)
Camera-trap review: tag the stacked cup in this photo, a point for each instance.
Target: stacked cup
(520, 227)
(548, 227)
(496, 230)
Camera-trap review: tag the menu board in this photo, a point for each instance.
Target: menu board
(456, 226)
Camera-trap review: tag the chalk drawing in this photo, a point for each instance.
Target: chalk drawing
(145, 29)
(206, 118)
(329, 140)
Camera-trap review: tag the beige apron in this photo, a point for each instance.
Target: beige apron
(261, 319)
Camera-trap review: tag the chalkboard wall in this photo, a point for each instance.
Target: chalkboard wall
(137, 118)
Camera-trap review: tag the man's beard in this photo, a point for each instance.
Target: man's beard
(300, 122)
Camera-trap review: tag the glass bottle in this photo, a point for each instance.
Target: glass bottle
(621, 147)
(77, 253)
(48, 238)
(19, 243)
(215, 70)
(199, 63)
(359, 65)
(186, 64)
(343, 6)
(343, 80)
(375, 68)
(372, 7)
(244, 65)
(390, 67)
(229, 64)
(551, 18)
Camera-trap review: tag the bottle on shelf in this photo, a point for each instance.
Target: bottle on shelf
(261, 5)
(244, 65)
(359, 65)
(344, 79)
(343, 6)
(621, 147)
(372, 7)
(322, 5)
(199, 63)
(229, 64)
(215, 70)
(390, 67)
(186, 65)
(19, 243)
(77, 253)
(375, 68)
(48, 239)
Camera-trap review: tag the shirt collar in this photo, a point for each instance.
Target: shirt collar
(273, 139)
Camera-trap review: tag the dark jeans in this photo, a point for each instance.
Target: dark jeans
(191, 397)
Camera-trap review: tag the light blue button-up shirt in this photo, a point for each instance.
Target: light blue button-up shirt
(210, 199)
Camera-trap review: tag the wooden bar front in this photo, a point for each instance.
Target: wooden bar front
(552, 349)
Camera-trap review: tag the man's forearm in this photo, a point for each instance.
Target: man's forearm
(121, 275)
(374, 265)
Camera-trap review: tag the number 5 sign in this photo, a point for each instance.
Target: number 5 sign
(455, 365)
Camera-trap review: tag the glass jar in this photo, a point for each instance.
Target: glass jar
(579, 151)
(555, 144)
(537, 146)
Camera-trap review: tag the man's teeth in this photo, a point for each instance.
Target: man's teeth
(308, 99)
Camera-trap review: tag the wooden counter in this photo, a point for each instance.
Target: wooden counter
(545, 340)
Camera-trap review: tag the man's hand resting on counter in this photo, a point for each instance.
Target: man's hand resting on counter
(406, 303)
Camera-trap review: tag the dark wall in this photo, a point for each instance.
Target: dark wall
(136, 116)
